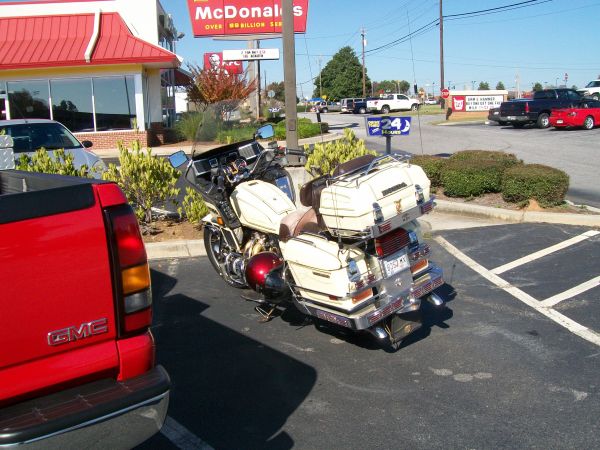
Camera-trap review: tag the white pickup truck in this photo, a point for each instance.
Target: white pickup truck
(592, 89)
(392, 102)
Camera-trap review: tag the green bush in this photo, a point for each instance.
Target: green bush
(188, 125)
(305, 128)
(471, 178)
(545, 184)
(504, 159)
(432, 165)
(146, 180)
(60, 162)
(235, 134)
(323, 158)
(193, 206)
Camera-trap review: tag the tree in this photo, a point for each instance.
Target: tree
(574, 87)
(386, 86)
(500, 86)
(404, 86)
(279, 89)
(484, 86)
(208, 87)
(537, 86)
(341, 77)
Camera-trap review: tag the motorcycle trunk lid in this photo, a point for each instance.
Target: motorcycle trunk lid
(348, 205)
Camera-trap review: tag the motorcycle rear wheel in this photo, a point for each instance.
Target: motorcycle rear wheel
(214, 243)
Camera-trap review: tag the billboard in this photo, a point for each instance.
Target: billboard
(242, 17)
(251, 54)
(476, 102)
(214, 61)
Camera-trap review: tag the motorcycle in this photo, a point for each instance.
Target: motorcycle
(351, 253)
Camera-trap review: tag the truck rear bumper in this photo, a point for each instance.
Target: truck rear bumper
(102, 414)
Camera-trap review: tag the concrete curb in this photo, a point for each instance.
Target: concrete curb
(195, 248)
(588, 220)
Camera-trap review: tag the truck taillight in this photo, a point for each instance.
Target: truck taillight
(132, 279)
(526, 107)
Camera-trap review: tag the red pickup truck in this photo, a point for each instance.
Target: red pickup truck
(77, 361)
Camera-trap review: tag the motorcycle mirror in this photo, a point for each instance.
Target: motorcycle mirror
(178, 159)
(265, 132)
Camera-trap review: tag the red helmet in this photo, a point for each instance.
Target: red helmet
(258, 268)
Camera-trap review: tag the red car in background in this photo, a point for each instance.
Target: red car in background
(585, 114)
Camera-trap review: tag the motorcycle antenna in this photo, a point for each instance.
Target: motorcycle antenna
(412, 57)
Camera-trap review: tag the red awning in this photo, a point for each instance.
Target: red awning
(61, 41)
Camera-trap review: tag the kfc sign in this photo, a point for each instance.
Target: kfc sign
(214, 61)
(239, 17)
(459, 103)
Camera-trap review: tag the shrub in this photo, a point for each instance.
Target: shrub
(146, 180)
(471, 178)
(235, 135)
(323, 158)
(545, 184)
(504, 159)
(305, 128)
(60, 162)
(188, 125)
(432, 165)
(193, 206)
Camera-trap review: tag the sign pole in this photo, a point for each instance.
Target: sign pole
(289, 74)
(388, 144)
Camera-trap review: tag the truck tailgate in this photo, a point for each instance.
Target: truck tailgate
(513, 108)
(58, 316)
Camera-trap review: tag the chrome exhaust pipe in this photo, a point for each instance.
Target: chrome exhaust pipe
(435, 299)
(379, 333)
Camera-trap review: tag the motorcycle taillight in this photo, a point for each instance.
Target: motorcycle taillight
(390, 243)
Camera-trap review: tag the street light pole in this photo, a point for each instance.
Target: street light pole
(364, 76)
(442, 103)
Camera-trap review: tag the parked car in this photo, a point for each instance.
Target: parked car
(431, 101)
(347, 104)
(30, 135)
(586, 115)
(592, 89)
(494, 115)
(325, 107)
(537, 110)
(392, 102)
(360, 107)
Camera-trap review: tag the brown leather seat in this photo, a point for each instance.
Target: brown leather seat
(303, 220)
(353, 164)
(310, 193)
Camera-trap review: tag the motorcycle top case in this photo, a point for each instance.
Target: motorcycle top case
(261, 205)
(348, 204)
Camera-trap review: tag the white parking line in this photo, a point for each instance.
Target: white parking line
(181, 437)
(544, 252)
(556, 299)
(557, 317)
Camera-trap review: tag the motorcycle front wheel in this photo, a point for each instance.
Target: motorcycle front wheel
(214, 243)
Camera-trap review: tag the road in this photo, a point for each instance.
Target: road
(507, 365)
(577, 152)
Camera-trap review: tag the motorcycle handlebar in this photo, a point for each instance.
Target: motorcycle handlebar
(291, 151)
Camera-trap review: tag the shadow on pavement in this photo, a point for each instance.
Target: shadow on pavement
(229, 390)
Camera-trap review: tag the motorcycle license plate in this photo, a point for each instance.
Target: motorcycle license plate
(395, 264)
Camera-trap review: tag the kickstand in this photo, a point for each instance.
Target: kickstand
(266, 315)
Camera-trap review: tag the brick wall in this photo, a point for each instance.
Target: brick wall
(108, 139)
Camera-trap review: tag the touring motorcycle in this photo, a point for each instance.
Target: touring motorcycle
(350, 253)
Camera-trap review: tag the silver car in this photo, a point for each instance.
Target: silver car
(30, 135)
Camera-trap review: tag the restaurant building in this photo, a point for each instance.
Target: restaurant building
(106, 69)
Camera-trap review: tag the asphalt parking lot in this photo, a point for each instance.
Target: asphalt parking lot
(511, 361)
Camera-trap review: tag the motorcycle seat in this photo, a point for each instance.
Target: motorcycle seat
(303, 220)
(310, 193)
(353, 164)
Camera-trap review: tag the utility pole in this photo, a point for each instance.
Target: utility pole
(320, 79)
(442, 103)
(364, 77)
(289, 74)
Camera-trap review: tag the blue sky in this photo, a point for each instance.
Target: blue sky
(541, 42)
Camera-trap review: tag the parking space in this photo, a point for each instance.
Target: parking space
(487, 370)
(555, 269)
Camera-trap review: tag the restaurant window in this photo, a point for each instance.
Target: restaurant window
(28, 99)
(72, 103)
(114, 98)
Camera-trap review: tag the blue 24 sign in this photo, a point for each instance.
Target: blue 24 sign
(388, 126)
